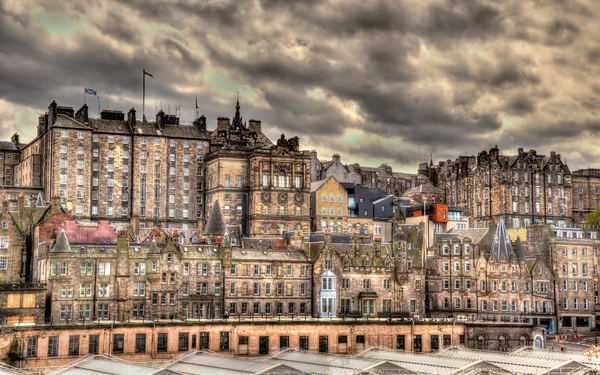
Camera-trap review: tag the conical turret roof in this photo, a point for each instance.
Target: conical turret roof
(501, 243)
(62, 243)
(216, 223)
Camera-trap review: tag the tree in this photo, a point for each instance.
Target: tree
(593, 218)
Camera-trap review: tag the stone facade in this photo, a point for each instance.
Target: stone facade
(586, 193)
(266, 281)
(263, 187)
(575, 263)
(10, 158)
(479, 273)
(329, 206)
(364, 278)
(116, 168)
(381, 177)
(522, 189)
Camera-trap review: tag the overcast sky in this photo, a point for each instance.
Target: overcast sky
(376, 81)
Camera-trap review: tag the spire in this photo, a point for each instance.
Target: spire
(216, 224)
(431, 159)
(237, 118)
(62, 243)
(501, 243)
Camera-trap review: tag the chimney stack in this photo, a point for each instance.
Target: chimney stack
(52, 115)
(255, 126)
(15, 141)
(82, 114)
(160, 119)
(131, 118)
(200, 123)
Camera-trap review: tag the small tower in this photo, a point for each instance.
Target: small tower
(501, 247)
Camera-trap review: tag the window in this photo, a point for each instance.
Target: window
(162, 342)
(184, 341)
(118, 343)
(94, 344)
(53, 346)
(74, 345)
(224, 340)
(32, 346)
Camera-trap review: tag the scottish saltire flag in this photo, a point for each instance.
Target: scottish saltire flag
(89, 91)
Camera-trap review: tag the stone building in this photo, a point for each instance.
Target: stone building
(263, 187)
(575, 264)
(117, 168)
(10, 157)
(329, 206)
(480, 273)
(357, 276)
(521, 189)
(347, 208)
(382, 177)
(586, 193)
(264, 278)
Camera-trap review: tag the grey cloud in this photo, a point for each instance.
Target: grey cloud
(438, 75)
(520, 105)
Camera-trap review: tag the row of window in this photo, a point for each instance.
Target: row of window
(268, 270)
(256, 289)
(539, 286)
(267, 308)
(202, 342)
(543, 307)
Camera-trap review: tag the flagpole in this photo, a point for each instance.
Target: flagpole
(143, 94)
(83, 94)
(98, 105)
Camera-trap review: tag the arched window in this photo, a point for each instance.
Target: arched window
(481, 342)
(523, 341)
(502, 343)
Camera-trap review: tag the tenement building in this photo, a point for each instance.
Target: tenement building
(117, 168)
(586, 193)
(263, 187)
(382, 177)
(354, 276)
(480, 273)
(520, 189)
(347, 208)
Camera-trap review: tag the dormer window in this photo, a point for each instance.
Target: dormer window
(169, 257)
(388, 265)
(328, 265)
(346, 264)
(367, 264)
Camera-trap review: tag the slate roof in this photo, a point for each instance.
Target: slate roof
(9, 146)
(501, 245)
(475, 234)
(422, 189)
(142, 128)
(62, 244)
(261, 255)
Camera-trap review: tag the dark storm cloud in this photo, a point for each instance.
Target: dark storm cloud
(520, 105)
(439, 76)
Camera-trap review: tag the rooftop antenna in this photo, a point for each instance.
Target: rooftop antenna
(196, 106)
